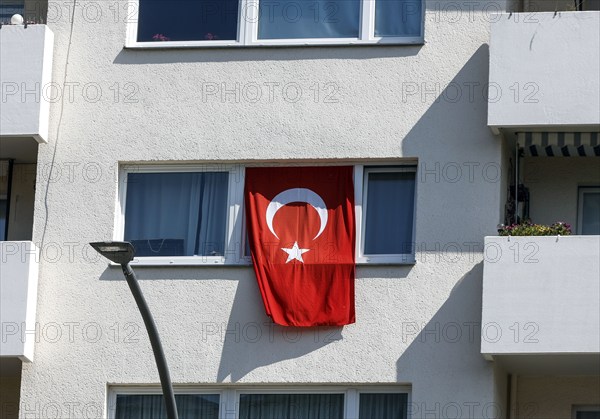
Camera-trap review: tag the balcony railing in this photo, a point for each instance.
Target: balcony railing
(18, 298)
(541, 295)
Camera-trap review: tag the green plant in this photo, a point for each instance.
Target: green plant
(528, 229)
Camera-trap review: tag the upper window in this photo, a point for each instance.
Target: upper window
(182, 23)
(193, 214)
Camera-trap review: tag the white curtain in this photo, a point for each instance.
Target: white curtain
(383, 406)
(176, 214)
(291, 406)
(292, 19)
(151, 406)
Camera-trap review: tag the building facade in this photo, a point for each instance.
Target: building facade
(125, 120)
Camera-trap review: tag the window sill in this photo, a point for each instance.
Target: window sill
(281, 43)
(201, 263)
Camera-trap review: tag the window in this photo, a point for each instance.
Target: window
(388, 212)
(9, 8)
(268, 403)
(5, 179)
(192, 215)
(588, 220)
(586, 412)
(152, 406)
(184, 23)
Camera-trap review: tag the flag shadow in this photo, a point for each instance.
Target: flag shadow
(251, 339)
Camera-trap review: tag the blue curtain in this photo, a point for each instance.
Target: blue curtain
(292, 19)
(291, 406)
(389, 213)
(176, 214)
(383, 406)
(151, 406)
(398, 17)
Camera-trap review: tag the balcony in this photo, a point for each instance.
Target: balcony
(541, 296)
(25, 75)
(18, 298)
(544, 71)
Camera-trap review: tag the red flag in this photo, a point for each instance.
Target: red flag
(301, 231)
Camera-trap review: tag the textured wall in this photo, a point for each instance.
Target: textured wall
(389, 103)
(554, 187)
(554, 397)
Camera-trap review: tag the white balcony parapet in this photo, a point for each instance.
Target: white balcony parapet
(544, 70)
(541, 295)
(25, 76)
(18, 298)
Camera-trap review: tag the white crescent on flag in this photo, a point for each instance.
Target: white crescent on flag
(297, 195)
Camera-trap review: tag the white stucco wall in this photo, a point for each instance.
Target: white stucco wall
(389, 103)
(541, 397)
(543, 70)
(25, 70)
(554, 186)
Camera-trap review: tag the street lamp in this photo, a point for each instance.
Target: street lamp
(122, 253)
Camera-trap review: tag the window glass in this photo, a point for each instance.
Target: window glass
(151, 406)
(398, 18)
(8, 8)
(3, 216)
(590, 212)
(592, 414)
(383, 406)
(389, 212)
(176, 214)
(289, 19)
(291, 406)
(185, 20)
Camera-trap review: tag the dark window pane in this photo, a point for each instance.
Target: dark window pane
(292, 19)
(3, 214)
(151, 406)
(588, 415)
(176, 214)
(389, 213)
(8, 8)
(187, 20)
(383, 406)
(291, 406)
(590, 223)
(398, 18)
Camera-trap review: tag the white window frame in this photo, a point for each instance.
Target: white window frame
(229, 396)
(360, 192)
(582, 191)
(233, 226)
(248, 32)
(236, 223)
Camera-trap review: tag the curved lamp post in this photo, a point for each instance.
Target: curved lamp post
(122, 253)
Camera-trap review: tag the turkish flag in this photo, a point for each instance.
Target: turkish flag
(301, 230)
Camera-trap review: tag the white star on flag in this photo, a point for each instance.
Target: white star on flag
(294, 253)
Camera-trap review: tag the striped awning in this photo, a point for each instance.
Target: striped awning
(559, 144)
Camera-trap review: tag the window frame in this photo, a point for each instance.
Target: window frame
(248, 32)
(584, 408)
(233, 220)
(361, 193)
(582, 190)
(229, 396)
(235, 254)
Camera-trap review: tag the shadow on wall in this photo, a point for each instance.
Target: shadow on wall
(447, 350)
(248, 345)
(232, 54)
(459, 157)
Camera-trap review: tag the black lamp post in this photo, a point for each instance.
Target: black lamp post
(122, 253)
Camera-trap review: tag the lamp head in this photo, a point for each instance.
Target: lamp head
(117, 252)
